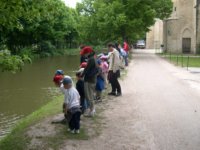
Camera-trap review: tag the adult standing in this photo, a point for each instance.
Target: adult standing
(83, 59)
(90, 77)
(126, 48)
(124, 54)
(114, 70)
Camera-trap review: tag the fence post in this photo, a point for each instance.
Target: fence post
(182, 61)
(188, 60)
(170, 56)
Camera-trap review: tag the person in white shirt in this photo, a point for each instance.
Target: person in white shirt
(62, 89)
(58, 80)
(72, 105)
(114, 70)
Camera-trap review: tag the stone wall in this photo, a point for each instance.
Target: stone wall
(154, 38)
(181, 24)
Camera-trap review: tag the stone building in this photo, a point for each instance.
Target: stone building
(198, 26)
(181, 31)
(154, 38)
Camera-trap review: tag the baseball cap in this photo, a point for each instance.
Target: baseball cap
(67, 80)
(59, 72)
(86, 50)
(104, 57)
(57, 78)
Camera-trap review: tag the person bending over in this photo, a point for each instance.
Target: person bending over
(72, 106)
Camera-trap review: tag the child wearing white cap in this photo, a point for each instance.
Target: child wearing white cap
(72, 105)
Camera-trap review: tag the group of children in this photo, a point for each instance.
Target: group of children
(75, 102)
(102, 74)
(75, 99)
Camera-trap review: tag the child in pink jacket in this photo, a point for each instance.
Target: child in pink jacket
(105, 67)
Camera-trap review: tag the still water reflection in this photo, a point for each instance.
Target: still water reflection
(26, 91)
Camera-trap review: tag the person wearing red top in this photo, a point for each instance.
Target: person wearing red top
(126, 47)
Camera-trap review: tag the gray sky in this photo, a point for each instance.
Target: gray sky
(71, 3)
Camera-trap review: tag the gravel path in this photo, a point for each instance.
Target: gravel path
(159, 110)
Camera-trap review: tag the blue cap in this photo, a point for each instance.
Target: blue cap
(59, 72)
(67, 81)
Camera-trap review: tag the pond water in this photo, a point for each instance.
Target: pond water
(26, 91)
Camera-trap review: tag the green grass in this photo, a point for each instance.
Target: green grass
(182, 60)
(74, 51)
(56, 142)
(17, 140)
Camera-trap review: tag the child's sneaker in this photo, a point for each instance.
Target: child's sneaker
(77, 131)
(72, 131)
(69, 130)
(92, 113)
(86, 111)
(88, 114)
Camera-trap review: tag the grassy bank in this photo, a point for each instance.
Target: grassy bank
(72, 51)
(98, 50)
(61, 52)
(17, 139)
(183, 60)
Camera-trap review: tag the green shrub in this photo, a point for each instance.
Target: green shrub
(10, 62)
(47, 48)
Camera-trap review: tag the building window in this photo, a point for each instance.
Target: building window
(168, 32)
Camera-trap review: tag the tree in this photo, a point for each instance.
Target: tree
(36, 27)
(29, 27)
(119, 19)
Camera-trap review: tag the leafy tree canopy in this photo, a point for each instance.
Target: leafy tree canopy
(119, 19)
(44, 27)
(35, 27)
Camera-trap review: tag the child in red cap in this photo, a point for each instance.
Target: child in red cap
(59, 75)
(57, 80)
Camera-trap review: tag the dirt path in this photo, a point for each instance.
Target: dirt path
(159, 110)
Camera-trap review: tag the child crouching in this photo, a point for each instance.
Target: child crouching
(72, 106)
